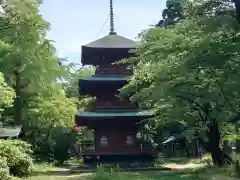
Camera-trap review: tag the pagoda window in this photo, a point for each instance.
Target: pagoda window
(129, 140)
(104, 141)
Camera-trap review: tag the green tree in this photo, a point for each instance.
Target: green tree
(173, 12)
(31, 67)
(72, 82)
(188, 74)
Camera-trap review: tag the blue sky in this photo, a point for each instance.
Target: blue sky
(78, 22)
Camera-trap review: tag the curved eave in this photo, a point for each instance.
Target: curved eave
(107, 50)
(113, 114)
(91, 118)
(105, 78)
(96, 85)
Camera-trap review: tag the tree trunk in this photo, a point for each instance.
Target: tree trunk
(18, 102)
(237, 146)
(237, 7)
(237, 140)
(219, 157)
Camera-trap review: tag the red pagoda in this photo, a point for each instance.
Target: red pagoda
(118, 133)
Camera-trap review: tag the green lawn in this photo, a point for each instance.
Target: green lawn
(185, 169)
(56, 177)
(124, 176)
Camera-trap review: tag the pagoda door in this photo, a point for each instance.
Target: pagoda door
(115, 141)
(109, 140)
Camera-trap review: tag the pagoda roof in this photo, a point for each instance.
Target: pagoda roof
(112, 41)
(96, 118)
(115, 114)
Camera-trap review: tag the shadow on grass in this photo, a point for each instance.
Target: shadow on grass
(74, 171)
(165, 175)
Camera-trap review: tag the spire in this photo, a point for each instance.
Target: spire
(112, 32)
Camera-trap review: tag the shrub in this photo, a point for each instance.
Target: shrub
(207, 159)
(4, 169)
(17, 155)
(109, 173)
(63, 142)
(114, 173)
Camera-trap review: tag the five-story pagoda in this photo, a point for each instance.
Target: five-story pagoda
(115, 122)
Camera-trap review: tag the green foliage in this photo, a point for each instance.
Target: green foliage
(65, 140)
(185, 64)
(46, 118)
(17, 155)
(31, 67)
(173, 12)
(4, 170)
(6, 93)
(206, 159)
(72, 84)
(188, 73)
(104, 173)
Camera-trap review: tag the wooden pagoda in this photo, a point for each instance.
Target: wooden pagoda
(118, 135)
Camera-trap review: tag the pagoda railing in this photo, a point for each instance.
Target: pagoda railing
(87, 146)
(114, 70)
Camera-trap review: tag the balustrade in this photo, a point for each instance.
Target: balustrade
(113, 70)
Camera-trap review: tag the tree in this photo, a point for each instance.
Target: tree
(188, 73)
(173, 13)
(21, 61)
(72, 83)
(31, 67)
(219, 7)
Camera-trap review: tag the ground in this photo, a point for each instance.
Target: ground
(127, 176)
(182, 169)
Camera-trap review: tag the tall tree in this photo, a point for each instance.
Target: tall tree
(30, 63)
(31, 67)
(172, 13)
(188, 74)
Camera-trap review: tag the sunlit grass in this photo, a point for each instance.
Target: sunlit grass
(56, 177)
(185, 169)
(43, 167)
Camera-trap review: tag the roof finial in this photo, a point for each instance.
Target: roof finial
(112, 32)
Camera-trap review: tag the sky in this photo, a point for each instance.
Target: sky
(78, 22)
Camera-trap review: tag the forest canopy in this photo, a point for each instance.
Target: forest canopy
(187, 71)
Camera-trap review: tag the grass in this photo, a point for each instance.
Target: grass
(56, 177)
(103, 175)
(41, 173)
(154, 176)
(184, 169)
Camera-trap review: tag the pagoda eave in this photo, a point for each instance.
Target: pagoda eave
(97, 85)
(105, 78)
(104, 56)
(91, 118)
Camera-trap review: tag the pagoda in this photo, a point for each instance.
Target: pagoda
(118, 133)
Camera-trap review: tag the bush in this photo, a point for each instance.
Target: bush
(114, 173)
(17, 155)
(4, 169)
(63, 142)
(106, 173)
(207, 159)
